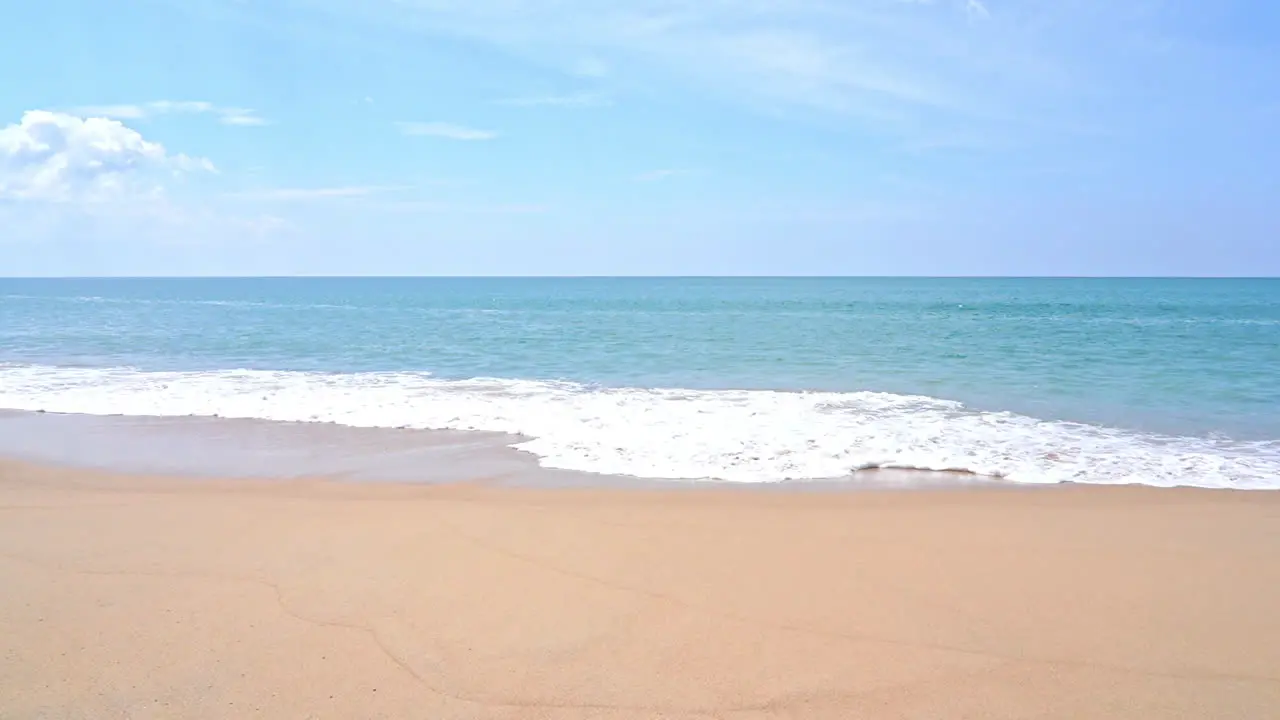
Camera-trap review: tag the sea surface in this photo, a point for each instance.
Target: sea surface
(1155, 381)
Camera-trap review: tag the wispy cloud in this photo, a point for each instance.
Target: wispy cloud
(445, 130)
(575, 100)
(115, 112)
(975, 9)
(180, 106)
(914, 69)
(243, 117)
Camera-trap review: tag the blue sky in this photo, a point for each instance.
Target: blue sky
(555, 137)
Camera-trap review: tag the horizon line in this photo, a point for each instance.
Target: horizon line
(639, 277)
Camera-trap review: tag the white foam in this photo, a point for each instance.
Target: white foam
(732, 435)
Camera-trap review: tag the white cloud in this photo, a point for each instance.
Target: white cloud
(445, 130)
(243, 117)
(52, 156)
(575, 100)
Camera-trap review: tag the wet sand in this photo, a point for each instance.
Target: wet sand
(128, 596)
(212, 447)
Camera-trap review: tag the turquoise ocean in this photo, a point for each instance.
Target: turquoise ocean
(1155, 381)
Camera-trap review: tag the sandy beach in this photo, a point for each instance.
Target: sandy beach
(150, 597)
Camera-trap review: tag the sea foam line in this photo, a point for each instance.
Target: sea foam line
(729, 435)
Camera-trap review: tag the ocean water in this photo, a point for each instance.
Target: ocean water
(1153, 381)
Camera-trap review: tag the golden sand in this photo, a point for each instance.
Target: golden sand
(134, 597)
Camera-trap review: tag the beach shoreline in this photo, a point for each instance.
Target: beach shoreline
(149, 596)
(214, 447)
